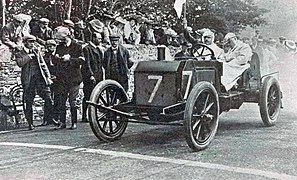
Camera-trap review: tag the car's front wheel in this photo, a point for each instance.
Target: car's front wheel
(106, 125)
(201, 116)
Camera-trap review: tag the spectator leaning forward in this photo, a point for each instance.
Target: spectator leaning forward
(12, 33)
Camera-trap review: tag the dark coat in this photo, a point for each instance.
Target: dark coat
(42, 37)
(23, 60)
(123, 59)
(93, 63)
(69, 72)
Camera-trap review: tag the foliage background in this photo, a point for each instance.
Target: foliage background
(220, 15)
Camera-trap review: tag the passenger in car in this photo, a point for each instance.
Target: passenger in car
(235, 61)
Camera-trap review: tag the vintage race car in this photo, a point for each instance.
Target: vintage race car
(185, 92)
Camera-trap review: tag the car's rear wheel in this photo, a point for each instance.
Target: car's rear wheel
(201, 116)
(106, 125)
(270, 101)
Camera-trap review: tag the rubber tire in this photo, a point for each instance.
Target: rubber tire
(266, 118)
(193, 96)
(92, 111)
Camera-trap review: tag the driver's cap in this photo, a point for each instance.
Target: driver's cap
(228, 36)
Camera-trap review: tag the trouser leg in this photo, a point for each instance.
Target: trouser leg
(29, 95)
(73, 94)
(87, 89)
(60, 97)
(45, 94)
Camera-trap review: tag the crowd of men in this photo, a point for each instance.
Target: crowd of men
(54, 64)
(56, 61)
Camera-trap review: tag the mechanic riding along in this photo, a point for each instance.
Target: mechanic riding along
(191, 91)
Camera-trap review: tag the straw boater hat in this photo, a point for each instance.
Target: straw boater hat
(120, 20)
(96, 25)
(68, 22)
(51, 42)
(44, 20)
(18, 18)
(29, 37)
(290, 45)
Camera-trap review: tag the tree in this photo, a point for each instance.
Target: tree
(220, 15)
(3, 12)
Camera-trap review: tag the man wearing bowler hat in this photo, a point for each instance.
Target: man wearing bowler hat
(35, 77)
(117, 62)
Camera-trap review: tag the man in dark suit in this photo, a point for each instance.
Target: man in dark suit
(117, 62)
(35, 77)
(92, 71)
(68, 75)
(42, 31)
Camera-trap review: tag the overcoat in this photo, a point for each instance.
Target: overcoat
(23, 60)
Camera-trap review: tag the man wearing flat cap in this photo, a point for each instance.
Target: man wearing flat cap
(68, 75)
(49, 55)
(12, 33)
(70, 25)
(35, 77)
(235, 61)
(42, 32)
(117, 62)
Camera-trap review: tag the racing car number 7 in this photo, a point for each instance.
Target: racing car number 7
(159, 79)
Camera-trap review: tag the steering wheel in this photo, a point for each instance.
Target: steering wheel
(199, 49)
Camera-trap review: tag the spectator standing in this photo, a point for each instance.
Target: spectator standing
(118, 28)
(91, 69)
(117, 62)
(149, 36)
(42, 32)
(96, 25)
(67, 64)
(131, 32)
(35, 77)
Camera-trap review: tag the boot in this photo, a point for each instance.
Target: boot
(73, 118)
(30, 123)
(84, 112)
(29, 118)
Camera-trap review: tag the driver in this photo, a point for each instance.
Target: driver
(208, 38)
(235, 61)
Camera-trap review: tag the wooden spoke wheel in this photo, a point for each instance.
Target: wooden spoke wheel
(270, 101)
(202, 51)
(201, 116)
(106, 125)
